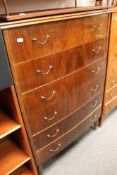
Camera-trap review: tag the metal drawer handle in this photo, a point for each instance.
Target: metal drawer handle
(96, 71)
(96, 51)
(94, 118)
(111, 95)
(56, 149)
(45, 73)
(52, 118)
(41, 43)
(95, 89)
(98, 27)
(54, 135)
(94, 105)
(114, 82)
(49, 98)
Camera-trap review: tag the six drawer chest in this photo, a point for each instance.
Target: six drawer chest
(59, 66)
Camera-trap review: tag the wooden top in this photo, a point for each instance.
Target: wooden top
(56, 16)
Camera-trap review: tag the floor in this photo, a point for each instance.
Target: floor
(94, 154)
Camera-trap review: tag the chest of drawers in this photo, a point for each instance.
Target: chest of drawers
(59, 73)
(110, 98)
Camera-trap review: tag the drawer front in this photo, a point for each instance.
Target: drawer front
(72, 89)
(48, 117)
(52, 149)
(51, 134)
(111, 73)
(44, 70)
(114, 22)
(112, 63)
(110, 95)
(108, 107)
(41, 40)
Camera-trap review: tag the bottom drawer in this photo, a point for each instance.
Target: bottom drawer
(52, 149)
(108, 107)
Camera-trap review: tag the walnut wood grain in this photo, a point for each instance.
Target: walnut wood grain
(61, 37)
(108, 107)
(37, 123)
(47, 69)
(111, 94)
(44, 138)
(46, 153)
(68, 92)
(111, 78)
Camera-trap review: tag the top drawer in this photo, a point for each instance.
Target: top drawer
(40, 40)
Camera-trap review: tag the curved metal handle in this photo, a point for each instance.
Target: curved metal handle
(94, 105)
(114, 82)
(96, 51)
(98, 27)
(54, 135)
(45, 73)
(95, 89)
(41, 43)
(56, 149)
(94, 118)
(96, 71)
(49, 98)
(52, 118)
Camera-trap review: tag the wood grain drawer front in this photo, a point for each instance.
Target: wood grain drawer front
(108, 107)
(41, 40)
(47, 69)
(114, 22)
(75, 89)
(52, 149)
(112, 63)
(111, 95)
(49, 135)
(111, 74)
(47, 117)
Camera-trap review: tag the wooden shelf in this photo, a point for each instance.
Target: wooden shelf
(23, 171)
(11, 157)
(7, 125)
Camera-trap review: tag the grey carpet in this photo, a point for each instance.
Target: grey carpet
(94, 154)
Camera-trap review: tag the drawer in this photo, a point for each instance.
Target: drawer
(108, 107)
(44, 138)
(110, 95)
(114, 22)
(111, 80)
(30, 42)
(58, 145)
(73, 90)
(48, 117)
(44, 70)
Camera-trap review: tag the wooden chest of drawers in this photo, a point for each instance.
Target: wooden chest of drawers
(110, 98)
(59, 73)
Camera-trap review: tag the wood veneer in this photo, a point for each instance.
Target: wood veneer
(46, 153)
(110, 96)
(56, 66)
(7, 125)
(78, 79)
(61, 37)
(12, 155)
(14, 146)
